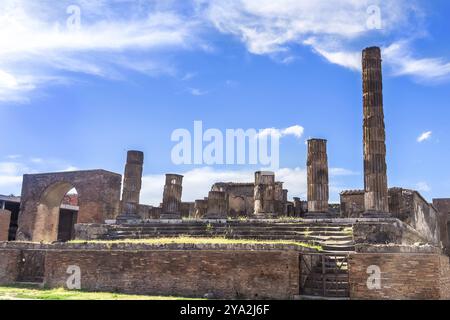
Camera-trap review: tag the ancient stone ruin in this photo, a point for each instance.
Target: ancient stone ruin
(290, 249)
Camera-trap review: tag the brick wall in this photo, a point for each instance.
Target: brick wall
(403, 276)
(193, 273)
(9, 262)
(5, 219)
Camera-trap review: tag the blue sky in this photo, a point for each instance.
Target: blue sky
(78, 96)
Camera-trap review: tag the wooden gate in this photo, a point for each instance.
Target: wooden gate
(324, 275)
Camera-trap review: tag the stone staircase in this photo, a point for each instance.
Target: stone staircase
(332, 237)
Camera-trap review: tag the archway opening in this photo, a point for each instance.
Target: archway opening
(68, 216)
(56, 214)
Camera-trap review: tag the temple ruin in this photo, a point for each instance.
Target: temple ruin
(318, 248)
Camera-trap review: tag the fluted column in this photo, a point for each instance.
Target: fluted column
(375, 176)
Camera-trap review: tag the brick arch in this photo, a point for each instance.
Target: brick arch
(47, 217)
(42, 194)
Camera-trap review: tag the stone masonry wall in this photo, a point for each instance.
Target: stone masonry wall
(225, 274)
(5, 220)
(403, 276)
(9, 262)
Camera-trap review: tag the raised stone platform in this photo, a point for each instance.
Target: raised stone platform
(332, 235)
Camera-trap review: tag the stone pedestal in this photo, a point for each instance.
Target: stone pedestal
(173, 189)
(375, 176)
(132, 183)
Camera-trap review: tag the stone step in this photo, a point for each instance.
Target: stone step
(328, 292)
(261, 230)
(238, 225)
(329, 237)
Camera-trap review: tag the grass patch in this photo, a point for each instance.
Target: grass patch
(194, 240)
(27, 292)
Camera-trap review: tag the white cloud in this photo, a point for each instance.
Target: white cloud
(197, 92)
(296, 131)
(403, 62)
(11, 172)
(423, 187)
(36, 47)
(336, 30)
(425, 136)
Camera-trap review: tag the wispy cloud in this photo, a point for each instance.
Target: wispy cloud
(423, 187)
(424, 136)
(404, 63)
(197, 92)
(36, 46)
(335, 30)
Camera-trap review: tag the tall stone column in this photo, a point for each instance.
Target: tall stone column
(173, 190)
(317, 176)
(132, 183)
(375, 177)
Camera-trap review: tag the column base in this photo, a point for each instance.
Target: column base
(170, 216)
(376, 215)
(320, 215)
(125, 217)
(213, 216)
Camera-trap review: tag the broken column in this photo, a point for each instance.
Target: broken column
(375, 177)
(264, 194)
(317, 176)
(172, 197)
(200, 208)
(217, 205)
(132, 182)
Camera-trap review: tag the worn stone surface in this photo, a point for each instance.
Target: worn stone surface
(375, 169)
(240, 198)
(201, 208)
(264, 194)
(217, 205)
(173, 190)
(443, 207)
(387, 232)
(5, 220)
(403, 276)
(132, 182)
(42, 194)
(317, 166)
